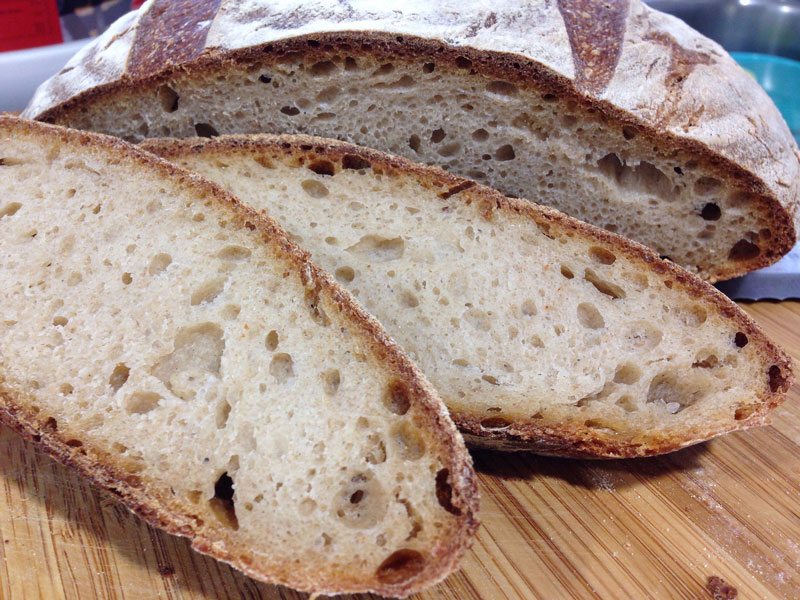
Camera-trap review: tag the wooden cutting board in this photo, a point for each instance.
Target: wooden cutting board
(552, 528)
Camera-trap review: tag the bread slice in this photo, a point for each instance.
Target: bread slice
(540, 332)
(180, 351)
(609, 111)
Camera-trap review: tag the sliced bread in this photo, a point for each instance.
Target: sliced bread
(539, 332)
(609, 111)
(180, 351)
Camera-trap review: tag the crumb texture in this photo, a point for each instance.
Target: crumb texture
(521, 139)
(143, 322)
(513, 317)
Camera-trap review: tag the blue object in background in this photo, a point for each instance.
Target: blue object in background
(780, 77)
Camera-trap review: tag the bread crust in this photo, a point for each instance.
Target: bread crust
(568, 439)
(736, 131)
(161, 511)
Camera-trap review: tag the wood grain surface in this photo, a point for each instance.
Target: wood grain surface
(552, 528)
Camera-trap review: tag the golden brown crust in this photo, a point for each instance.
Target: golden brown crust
(160, 511)
(520, 70)
(563, 439)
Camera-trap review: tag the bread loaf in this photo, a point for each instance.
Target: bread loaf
(539, 332)
(609, 111)
(176, 348)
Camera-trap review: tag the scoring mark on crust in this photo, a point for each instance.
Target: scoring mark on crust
(185, 26)
(595, 31)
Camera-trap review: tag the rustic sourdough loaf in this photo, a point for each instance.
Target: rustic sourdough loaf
(610, 111)
(177, 348)
(539, 331)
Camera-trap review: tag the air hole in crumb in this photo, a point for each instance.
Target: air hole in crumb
(743, 412)
(604, 287)
(315, 309)
(234, 253)
(693, 316)
(444, 492)
(462, 62)
(777, 381)
(272, 340)
(480, 135)
(529, 308)
(384, 69)
(428, 67)
(601, 255)
(321, 167)
(744, 250)
(290, 110)
(495, 423)
(589, 316)
(449, 149)
(331, 380)
(361, 503)
(627, 403)
(223, 411)
(600, 426)
(222, 503)
(352, 161)
(377, 453)
(314, 188)
(379, 249)
(74, 443)
(628, 132)
(396, 398)
(505, 152)
(126, 278)
(281, 367)
(197, 355)
(118, 376)
(438, 135)
(231, 312)
(51, 424)
(400, 566)
(345, 274)
(408, 441)
(322, 68)
(168, 98)
(9, 210)
(490, 379)
(408, 299)
(502, 88)
(711, 212)
(205, 130)
(141, 403)
(740, 339)
(627, 374)
(208, 291)
(60, 321)
(264, 78)
(159, 263)
(66, 389)
(567, 272)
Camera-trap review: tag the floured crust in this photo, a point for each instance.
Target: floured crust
(652, 74)
(165, 512)
(566, 439)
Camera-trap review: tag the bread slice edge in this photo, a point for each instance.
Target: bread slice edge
(530, 435)
(461, 482)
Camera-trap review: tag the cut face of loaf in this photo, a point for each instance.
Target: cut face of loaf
(660, 137)
(180, 351)
(540, 332)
